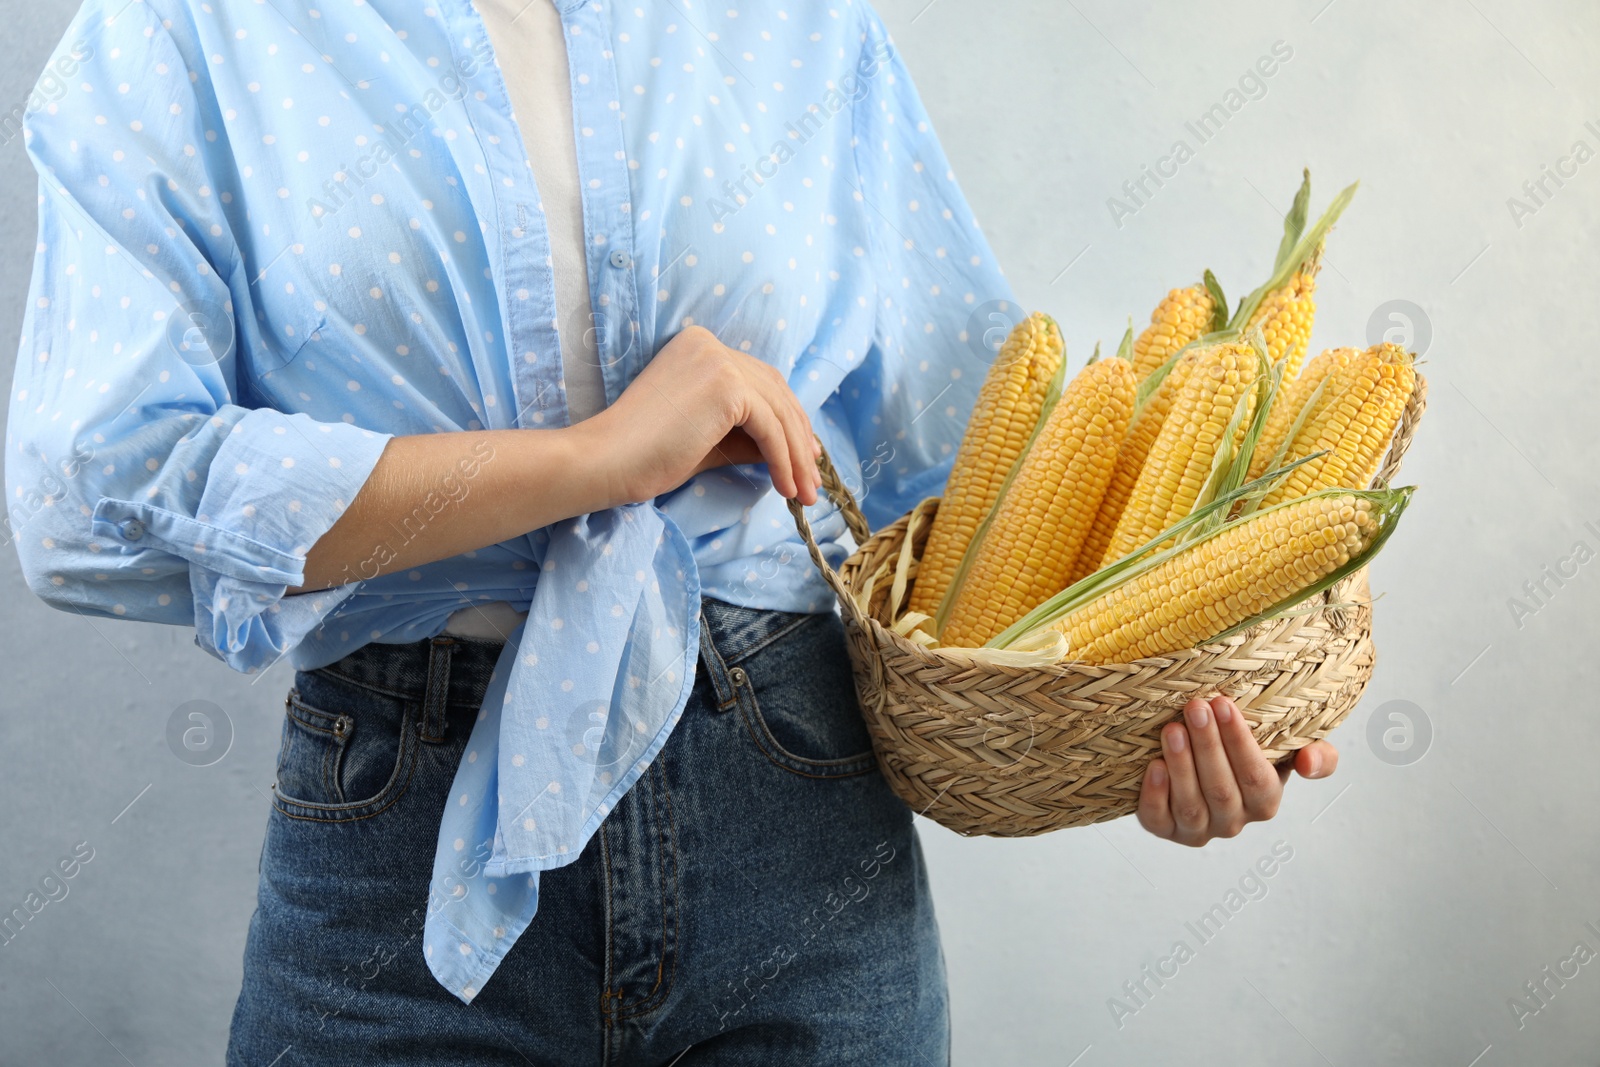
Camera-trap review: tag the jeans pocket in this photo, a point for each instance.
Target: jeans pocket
(343, 765)
(798, 698)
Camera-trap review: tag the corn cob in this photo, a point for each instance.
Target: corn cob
(1353, 420)
(1216, 584)
(1130, 461)
(1004, 417)
(1292, 396)
(1285, 315)
(1041, 521)
(1186, 447)
(1183, 316)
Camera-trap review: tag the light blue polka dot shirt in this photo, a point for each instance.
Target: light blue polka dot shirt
(273, 235)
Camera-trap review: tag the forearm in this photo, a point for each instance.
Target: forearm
(433, 496)
(697, 405)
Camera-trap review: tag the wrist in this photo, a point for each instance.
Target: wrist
(594, 456)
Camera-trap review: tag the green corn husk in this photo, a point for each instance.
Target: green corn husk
(1125, 348)
(1295, 427)
(1295, 247)
(1292, 256)
(1219, 302)
(1294, 223)
(1230, 465)
(1152, 381)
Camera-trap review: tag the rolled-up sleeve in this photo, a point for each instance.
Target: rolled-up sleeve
(140, 481)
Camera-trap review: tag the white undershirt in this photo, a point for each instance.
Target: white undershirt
(530, 44)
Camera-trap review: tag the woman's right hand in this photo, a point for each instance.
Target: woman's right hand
(700, 404)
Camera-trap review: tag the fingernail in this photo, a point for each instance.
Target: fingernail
(1224, 710)
(1177, 739)
(1199, 714)
(1316, 763)
(1158, 775)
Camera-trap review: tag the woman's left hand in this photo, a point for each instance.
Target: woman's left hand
(1212, 779)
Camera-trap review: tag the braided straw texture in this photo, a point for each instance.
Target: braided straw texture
(983, 748)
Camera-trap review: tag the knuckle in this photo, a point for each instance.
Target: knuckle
(1221, 795)
(1155, 820)
(726, 374)
(1264, 809)
(1253, 779)
(1190, 814)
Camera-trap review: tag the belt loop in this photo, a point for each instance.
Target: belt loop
(436, 692)
(727, 696)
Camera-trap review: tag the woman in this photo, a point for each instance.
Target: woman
(571, 765)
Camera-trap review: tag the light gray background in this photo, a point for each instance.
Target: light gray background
(1419, 898)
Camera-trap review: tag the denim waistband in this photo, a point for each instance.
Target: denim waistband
(739, 633)
(459, 665)
(463, 664)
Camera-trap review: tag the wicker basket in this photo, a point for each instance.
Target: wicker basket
(982, 748)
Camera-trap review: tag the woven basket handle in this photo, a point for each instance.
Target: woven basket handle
(1416, 404)
(834, 487)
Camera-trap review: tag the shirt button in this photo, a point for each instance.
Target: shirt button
(132, 529)
(620, 259)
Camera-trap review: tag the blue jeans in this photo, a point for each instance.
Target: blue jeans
(758, 897)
